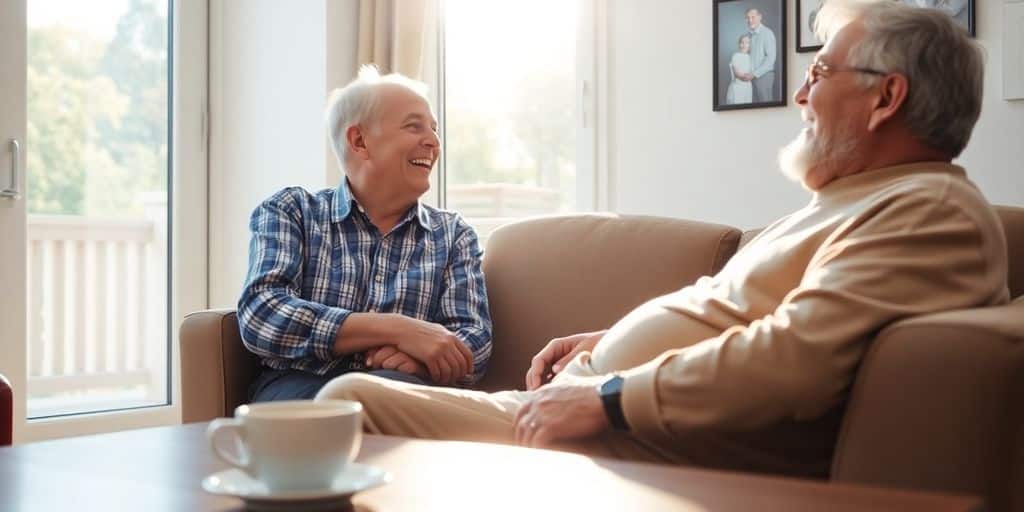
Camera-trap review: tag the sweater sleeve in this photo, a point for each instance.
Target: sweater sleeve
(912, 256)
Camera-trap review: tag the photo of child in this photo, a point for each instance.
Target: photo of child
(740, 89)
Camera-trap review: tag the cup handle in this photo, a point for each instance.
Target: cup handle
(229, 428)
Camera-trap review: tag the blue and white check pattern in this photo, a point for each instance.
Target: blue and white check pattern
(315, 258)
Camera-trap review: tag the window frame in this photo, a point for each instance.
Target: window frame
(187, 268)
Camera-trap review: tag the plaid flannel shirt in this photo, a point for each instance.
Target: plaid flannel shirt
(315, 258)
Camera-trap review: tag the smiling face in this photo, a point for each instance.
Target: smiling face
(400, 147)
(836, 109)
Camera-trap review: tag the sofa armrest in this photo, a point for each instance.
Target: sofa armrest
(216, 368)
(936, 405)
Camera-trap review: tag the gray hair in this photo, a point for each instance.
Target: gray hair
(357, 103)
(921, 44)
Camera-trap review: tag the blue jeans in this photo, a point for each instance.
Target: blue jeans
(299, 385)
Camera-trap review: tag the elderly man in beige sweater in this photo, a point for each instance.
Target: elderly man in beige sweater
(748, 369)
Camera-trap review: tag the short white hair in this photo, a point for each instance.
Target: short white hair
(357, 103)
(924, 45)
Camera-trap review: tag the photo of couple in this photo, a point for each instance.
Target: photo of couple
(749, 54)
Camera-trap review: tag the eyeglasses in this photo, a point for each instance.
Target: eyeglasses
(818, 70)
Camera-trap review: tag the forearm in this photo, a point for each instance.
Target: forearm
(738, 382)
(767, 66)
(364, 331)
(275, 323)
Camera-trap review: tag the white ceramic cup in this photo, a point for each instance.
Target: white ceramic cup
(290, 445)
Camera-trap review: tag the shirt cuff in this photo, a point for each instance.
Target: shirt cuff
(640, 401)
(325, 331)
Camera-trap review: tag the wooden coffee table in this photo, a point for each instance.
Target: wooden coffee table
(161, 468)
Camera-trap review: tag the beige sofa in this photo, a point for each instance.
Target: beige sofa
(937, 403)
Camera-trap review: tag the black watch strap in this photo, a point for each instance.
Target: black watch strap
(611, 398)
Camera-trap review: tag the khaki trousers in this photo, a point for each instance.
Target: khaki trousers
(411, 410)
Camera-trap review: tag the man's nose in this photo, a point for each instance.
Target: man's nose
(432, 140)
(800, 96)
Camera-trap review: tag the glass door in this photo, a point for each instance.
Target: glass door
(96, 197)
(103, 125)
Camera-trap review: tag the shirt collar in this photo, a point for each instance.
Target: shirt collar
(341, 207)
(872, 178)
(756, 30)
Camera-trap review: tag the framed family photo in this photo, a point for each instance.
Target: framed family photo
(749, 54)
(962, 11)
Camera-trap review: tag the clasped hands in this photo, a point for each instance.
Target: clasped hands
(425, 349)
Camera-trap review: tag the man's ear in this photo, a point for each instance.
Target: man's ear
(890, 97)
(356, 142)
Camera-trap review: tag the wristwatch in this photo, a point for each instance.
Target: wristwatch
(611, 398)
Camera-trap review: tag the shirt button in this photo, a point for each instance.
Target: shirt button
(379, 278)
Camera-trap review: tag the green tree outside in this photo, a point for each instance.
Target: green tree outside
(97, 116)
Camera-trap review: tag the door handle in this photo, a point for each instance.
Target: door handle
(12, 192)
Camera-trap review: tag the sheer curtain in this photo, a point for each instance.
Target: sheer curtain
(400, 36)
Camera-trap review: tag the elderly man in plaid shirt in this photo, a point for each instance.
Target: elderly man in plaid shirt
(364, 277)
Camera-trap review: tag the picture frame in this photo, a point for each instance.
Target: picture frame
(963, 12)
(806, 12)
(748, 57)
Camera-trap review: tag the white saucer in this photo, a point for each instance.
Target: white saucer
(355, 478)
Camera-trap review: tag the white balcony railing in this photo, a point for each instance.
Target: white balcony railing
(489, 206)
(97, 297)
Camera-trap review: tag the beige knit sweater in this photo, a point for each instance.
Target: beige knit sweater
(776, 336)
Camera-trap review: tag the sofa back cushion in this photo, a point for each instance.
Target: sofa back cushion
(556, 276)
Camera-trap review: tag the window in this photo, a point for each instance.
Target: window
(97, 203)
(512, 110)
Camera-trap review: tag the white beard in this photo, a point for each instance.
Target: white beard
(824, 157)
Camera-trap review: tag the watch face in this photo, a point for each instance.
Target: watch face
(612, 386)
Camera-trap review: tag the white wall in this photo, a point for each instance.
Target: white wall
(671, 155)
(271, 66)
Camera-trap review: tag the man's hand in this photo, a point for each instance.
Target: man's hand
(447, 359)
(390, 358)
(561, 412)
(556, 354)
